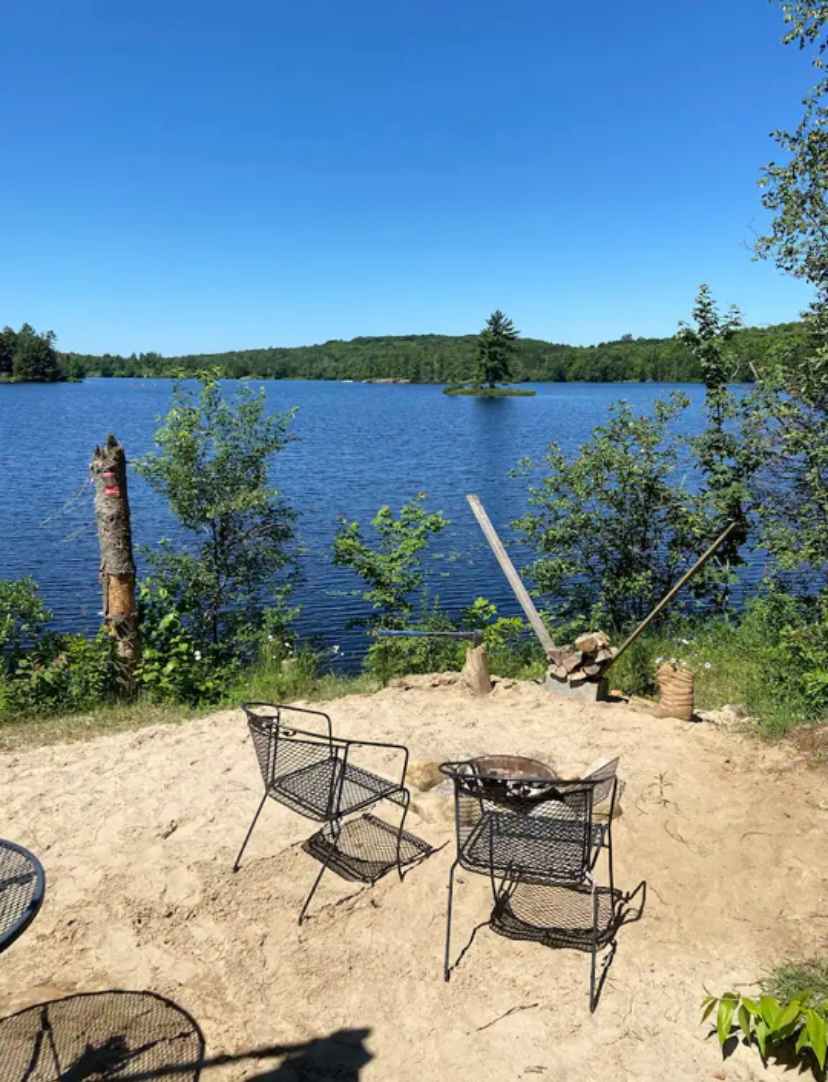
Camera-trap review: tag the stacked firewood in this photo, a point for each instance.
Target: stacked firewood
(585, 659)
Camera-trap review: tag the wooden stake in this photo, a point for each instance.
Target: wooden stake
(508, 569)
(117, 571)
(671, 593)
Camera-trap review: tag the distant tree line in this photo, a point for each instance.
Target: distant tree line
(433, 358)
(29, 357)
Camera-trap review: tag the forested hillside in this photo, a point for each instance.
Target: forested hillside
(433, 358)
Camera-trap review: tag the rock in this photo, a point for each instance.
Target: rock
(423, 774)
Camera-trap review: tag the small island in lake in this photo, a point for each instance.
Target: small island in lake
(477, 391)
(495, 346)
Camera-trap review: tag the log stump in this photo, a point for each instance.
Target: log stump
(117, 570)
(475, 674)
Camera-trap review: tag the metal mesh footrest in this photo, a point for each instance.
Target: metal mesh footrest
(557, 916)
(365, 849)
(310, 789)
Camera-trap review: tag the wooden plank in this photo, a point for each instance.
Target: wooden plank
(671, 593)
(508, 569)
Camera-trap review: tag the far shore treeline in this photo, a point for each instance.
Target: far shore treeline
(434, 358)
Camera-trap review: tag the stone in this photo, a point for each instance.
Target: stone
(423, 774)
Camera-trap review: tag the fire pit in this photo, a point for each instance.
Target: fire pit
(503, 778)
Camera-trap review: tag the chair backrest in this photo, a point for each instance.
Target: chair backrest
(537, 828)
(606, 775)
(282, 748)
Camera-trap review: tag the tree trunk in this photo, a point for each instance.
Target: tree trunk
(108, 468)
(476, 671)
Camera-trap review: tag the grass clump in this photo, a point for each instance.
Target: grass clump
(790, 979)
(772, 660)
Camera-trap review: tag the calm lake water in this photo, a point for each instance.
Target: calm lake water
(358, 446)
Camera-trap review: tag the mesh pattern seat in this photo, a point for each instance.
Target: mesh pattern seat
(527, 831)
(22, 884)
(318, 775)
(543, 846)
(310, 789)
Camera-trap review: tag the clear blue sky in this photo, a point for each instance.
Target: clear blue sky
(206, 176)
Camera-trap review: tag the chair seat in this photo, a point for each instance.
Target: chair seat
(531, 846)
(312, 790)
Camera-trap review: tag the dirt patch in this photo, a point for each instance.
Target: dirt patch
(813, 743)
(138, 832)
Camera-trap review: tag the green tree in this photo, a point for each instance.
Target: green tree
(612, 527)
(495, 348)
(391, 567)
(35, 359)
(725, 458)
(790, 420)
(212, 467)
(8, 339)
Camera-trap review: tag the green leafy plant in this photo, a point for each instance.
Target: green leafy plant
(23, 620)
(212, 464)
(613, 526)
(174, 665)
(799, 1023)
(61, 673)
(391, 567)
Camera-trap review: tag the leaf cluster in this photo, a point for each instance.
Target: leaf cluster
(800, 1022)
(390, 565)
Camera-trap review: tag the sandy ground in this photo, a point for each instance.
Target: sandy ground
(138, 832)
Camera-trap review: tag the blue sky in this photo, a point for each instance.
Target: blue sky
(208, 176)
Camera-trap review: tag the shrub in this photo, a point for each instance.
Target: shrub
(23, 620)
(63, 673)
(174, 666)
(799, 1024)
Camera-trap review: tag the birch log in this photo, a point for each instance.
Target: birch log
(117, 570)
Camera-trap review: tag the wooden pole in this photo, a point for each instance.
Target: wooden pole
(671, 593)
(508, 569)
(117, 571)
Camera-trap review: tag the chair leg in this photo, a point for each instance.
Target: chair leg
(249, 832)
(406, 800)
(446, 969)
(593, 1003)
(335, 829)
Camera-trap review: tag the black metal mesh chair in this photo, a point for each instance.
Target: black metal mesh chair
(321, 777)
(22, 886)
(540, 832)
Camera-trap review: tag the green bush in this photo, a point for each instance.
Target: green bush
(62, 673)
(23, 620)
(174, 666)
(798, 1025)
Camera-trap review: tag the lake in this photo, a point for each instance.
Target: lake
(358, 446)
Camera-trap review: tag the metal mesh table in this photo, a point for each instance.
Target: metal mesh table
(22, 884)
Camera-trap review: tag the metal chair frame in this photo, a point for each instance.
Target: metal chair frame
(543, 833)
(316, 775)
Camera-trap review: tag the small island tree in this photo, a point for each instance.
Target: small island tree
(495, 347)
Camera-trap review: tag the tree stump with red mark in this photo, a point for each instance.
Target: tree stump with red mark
(108, 468)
